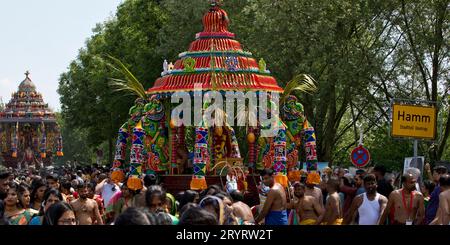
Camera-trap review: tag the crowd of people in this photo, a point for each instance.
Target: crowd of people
(89, 196)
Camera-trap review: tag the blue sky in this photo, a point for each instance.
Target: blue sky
(43, 36)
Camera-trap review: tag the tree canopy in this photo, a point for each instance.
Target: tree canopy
(362, 53)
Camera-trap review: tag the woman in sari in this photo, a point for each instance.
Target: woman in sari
(216, 206)
(25, 198)
(171, 208)
(14, 211)
(119, 202)
(60, 213)
(37, 194)
(51, 197)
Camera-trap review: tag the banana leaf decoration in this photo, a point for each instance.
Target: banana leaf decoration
(303, 83)
(130, 83)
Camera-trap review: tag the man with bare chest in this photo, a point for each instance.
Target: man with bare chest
(241, 210)
(443, 212)
(333, 209)
(312, 181)
(274, 211)
(407, 203)
(308, 208)
(86, 209)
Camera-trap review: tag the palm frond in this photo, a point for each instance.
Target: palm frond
(130, 83)
(303, 83)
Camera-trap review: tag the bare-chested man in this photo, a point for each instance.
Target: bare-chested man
(407, 203)
(308, 208)
(333, 209)
(443, 213)
(241, 210)
(274, 209)
(86, 210)
(312, 189)
(370, 205)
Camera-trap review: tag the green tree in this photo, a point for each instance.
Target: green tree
(87, 101)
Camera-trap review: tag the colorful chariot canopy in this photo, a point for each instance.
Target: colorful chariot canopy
(217, 61)
(27, 105)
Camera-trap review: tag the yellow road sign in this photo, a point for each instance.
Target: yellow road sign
(413, 121)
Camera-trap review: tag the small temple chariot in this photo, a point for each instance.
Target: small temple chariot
(157, 142)
(29, 134)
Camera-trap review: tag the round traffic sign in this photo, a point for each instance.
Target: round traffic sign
(360, 156)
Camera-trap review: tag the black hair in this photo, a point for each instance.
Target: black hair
(66, 185)
(135, 216)
(267, 171)
(198, 216)
(152, 191)
(369, 178)
(215, 189)
(429, 185)
(360, 172)
(179, 196)
(22, 189)
(4, 175)
(334, 183)
(150, 179)
(348, 181)
(210, 201)
(222, 195)
(55, 212)
(15, 186)
(188, 197)
(3, 219)
(163, 218)
(35, 185)
(73, 177)
(47, 194)
(91, 186)
(82, 186)
(381, 169)
(54, 177)
(2, 209)
(237, 196)
(186, 207)
(440, 169)
(299, 184)
(444, 180)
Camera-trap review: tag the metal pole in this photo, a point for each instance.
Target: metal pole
(415, 148)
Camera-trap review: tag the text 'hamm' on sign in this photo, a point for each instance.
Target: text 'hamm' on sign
(412, 121)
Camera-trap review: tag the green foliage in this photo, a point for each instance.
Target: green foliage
(88, 101)
(130, 84)
(75, 147)
(361, 53)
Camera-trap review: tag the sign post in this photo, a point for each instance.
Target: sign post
(360, 156)
(415, 120)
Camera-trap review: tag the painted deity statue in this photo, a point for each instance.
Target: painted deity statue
(299, 134)
(281, 152)
(225, 141)
(293, 117)
(149, 151)
(155, 130)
